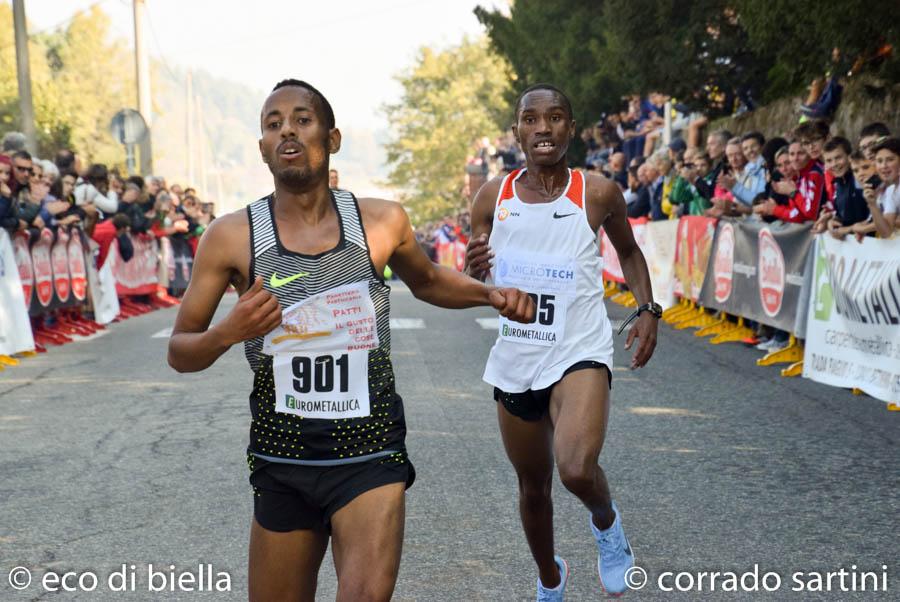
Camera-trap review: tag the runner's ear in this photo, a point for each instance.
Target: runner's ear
(334, 140)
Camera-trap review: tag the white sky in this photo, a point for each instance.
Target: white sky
(349, 49)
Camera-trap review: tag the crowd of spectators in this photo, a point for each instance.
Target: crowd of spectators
(36, 193)
(438, 237)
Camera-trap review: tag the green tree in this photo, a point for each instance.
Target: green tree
(450, 99)
(561, 42)
(800, 36)
(79, 80)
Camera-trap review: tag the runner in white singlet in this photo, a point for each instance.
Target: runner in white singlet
(536, 229)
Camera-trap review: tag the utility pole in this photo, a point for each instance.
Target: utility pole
(23, 71)
(201, 142)
(142, 73)
(189, 127)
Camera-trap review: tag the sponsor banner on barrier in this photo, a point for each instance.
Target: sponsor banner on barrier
(59, 258)
(15, 327)
(657, 242)
(43, 272)
(23, 261)
(692, 248)
(77, 270)
(853, 321)
(180, 264)
(137, 276)
(757, 271)
(612, 269)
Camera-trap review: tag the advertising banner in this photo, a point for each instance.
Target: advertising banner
(657, 242)
(139, 275)
(757, 271)
(692, 248)
(853, 321)
(15, 327)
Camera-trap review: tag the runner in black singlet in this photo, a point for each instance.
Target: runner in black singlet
(327, 440)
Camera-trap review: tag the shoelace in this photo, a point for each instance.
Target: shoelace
(610, 544)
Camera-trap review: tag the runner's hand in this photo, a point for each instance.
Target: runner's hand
(513, 304)
(478, 257)
(256, 313)
(644, 330)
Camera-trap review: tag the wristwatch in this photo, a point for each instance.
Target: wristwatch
(653, 307)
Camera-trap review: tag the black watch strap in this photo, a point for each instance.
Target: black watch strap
(653, 308)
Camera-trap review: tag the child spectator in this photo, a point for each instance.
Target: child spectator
(846, 203)
(881, 191)
(812, 135)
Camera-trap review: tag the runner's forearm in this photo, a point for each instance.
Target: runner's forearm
(195, 351)
(451, 289)
(634, 268)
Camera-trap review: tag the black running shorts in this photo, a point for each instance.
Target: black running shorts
(288, 497)
(532, 405)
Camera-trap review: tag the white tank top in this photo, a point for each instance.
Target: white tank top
(549, 251)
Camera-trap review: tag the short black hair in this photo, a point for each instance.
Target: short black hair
(65, 159)
(121, 220)
(326, 106)
(874, 129)
(22, 154)
(812, 129)
(836, 143)
(754, 136)
(96, 173)
(137, 181)
(567, 104)
(888, 144)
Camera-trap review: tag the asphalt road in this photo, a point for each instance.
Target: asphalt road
(108, 457)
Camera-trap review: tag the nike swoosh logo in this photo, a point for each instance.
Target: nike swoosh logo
(557, 216)
(276, 282)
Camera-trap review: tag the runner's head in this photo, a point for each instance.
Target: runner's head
(544, 124)
(298, 134)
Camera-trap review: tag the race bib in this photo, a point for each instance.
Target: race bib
(321, 354)
(322, 385)
(341, 318)
(550, 281)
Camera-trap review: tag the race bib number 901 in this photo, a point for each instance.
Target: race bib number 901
(322, 385)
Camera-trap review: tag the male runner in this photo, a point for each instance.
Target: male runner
(327, 450)
(552, 377)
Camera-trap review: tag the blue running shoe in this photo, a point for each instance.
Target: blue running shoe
(615, 556)
(546, 594)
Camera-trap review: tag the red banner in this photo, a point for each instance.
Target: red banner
(138, 276)
(23, 261)
(612, 269)
(77, 270)
(695, 239)
(59, 256)
(43, 268)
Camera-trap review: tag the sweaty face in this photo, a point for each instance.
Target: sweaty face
(837, 162)
(296, 141)
(544, 127)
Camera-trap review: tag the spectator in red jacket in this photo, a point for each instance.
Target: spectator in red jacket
(113, 229)
(805, 193)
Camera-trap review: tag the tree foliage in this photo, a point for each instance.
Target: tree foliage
(79, 80)
(450, 99)
(700, 51)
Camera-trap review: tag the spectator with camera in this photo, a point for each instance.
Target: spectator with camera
(881, 191)
(804, 192)
(684, 194)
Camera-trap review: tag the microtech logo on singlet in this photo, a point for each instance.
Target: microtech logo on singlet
(771, 273)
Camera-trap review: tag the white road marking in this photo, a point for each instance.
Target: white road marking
(407, 324)
(165, 333)
(488, 323)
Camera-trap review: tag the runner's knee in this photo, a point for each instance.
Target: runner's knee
(365, 588)
(577, 476)
(535, 491)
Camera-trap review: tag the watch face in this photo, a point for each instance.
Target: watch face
(656, 309)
